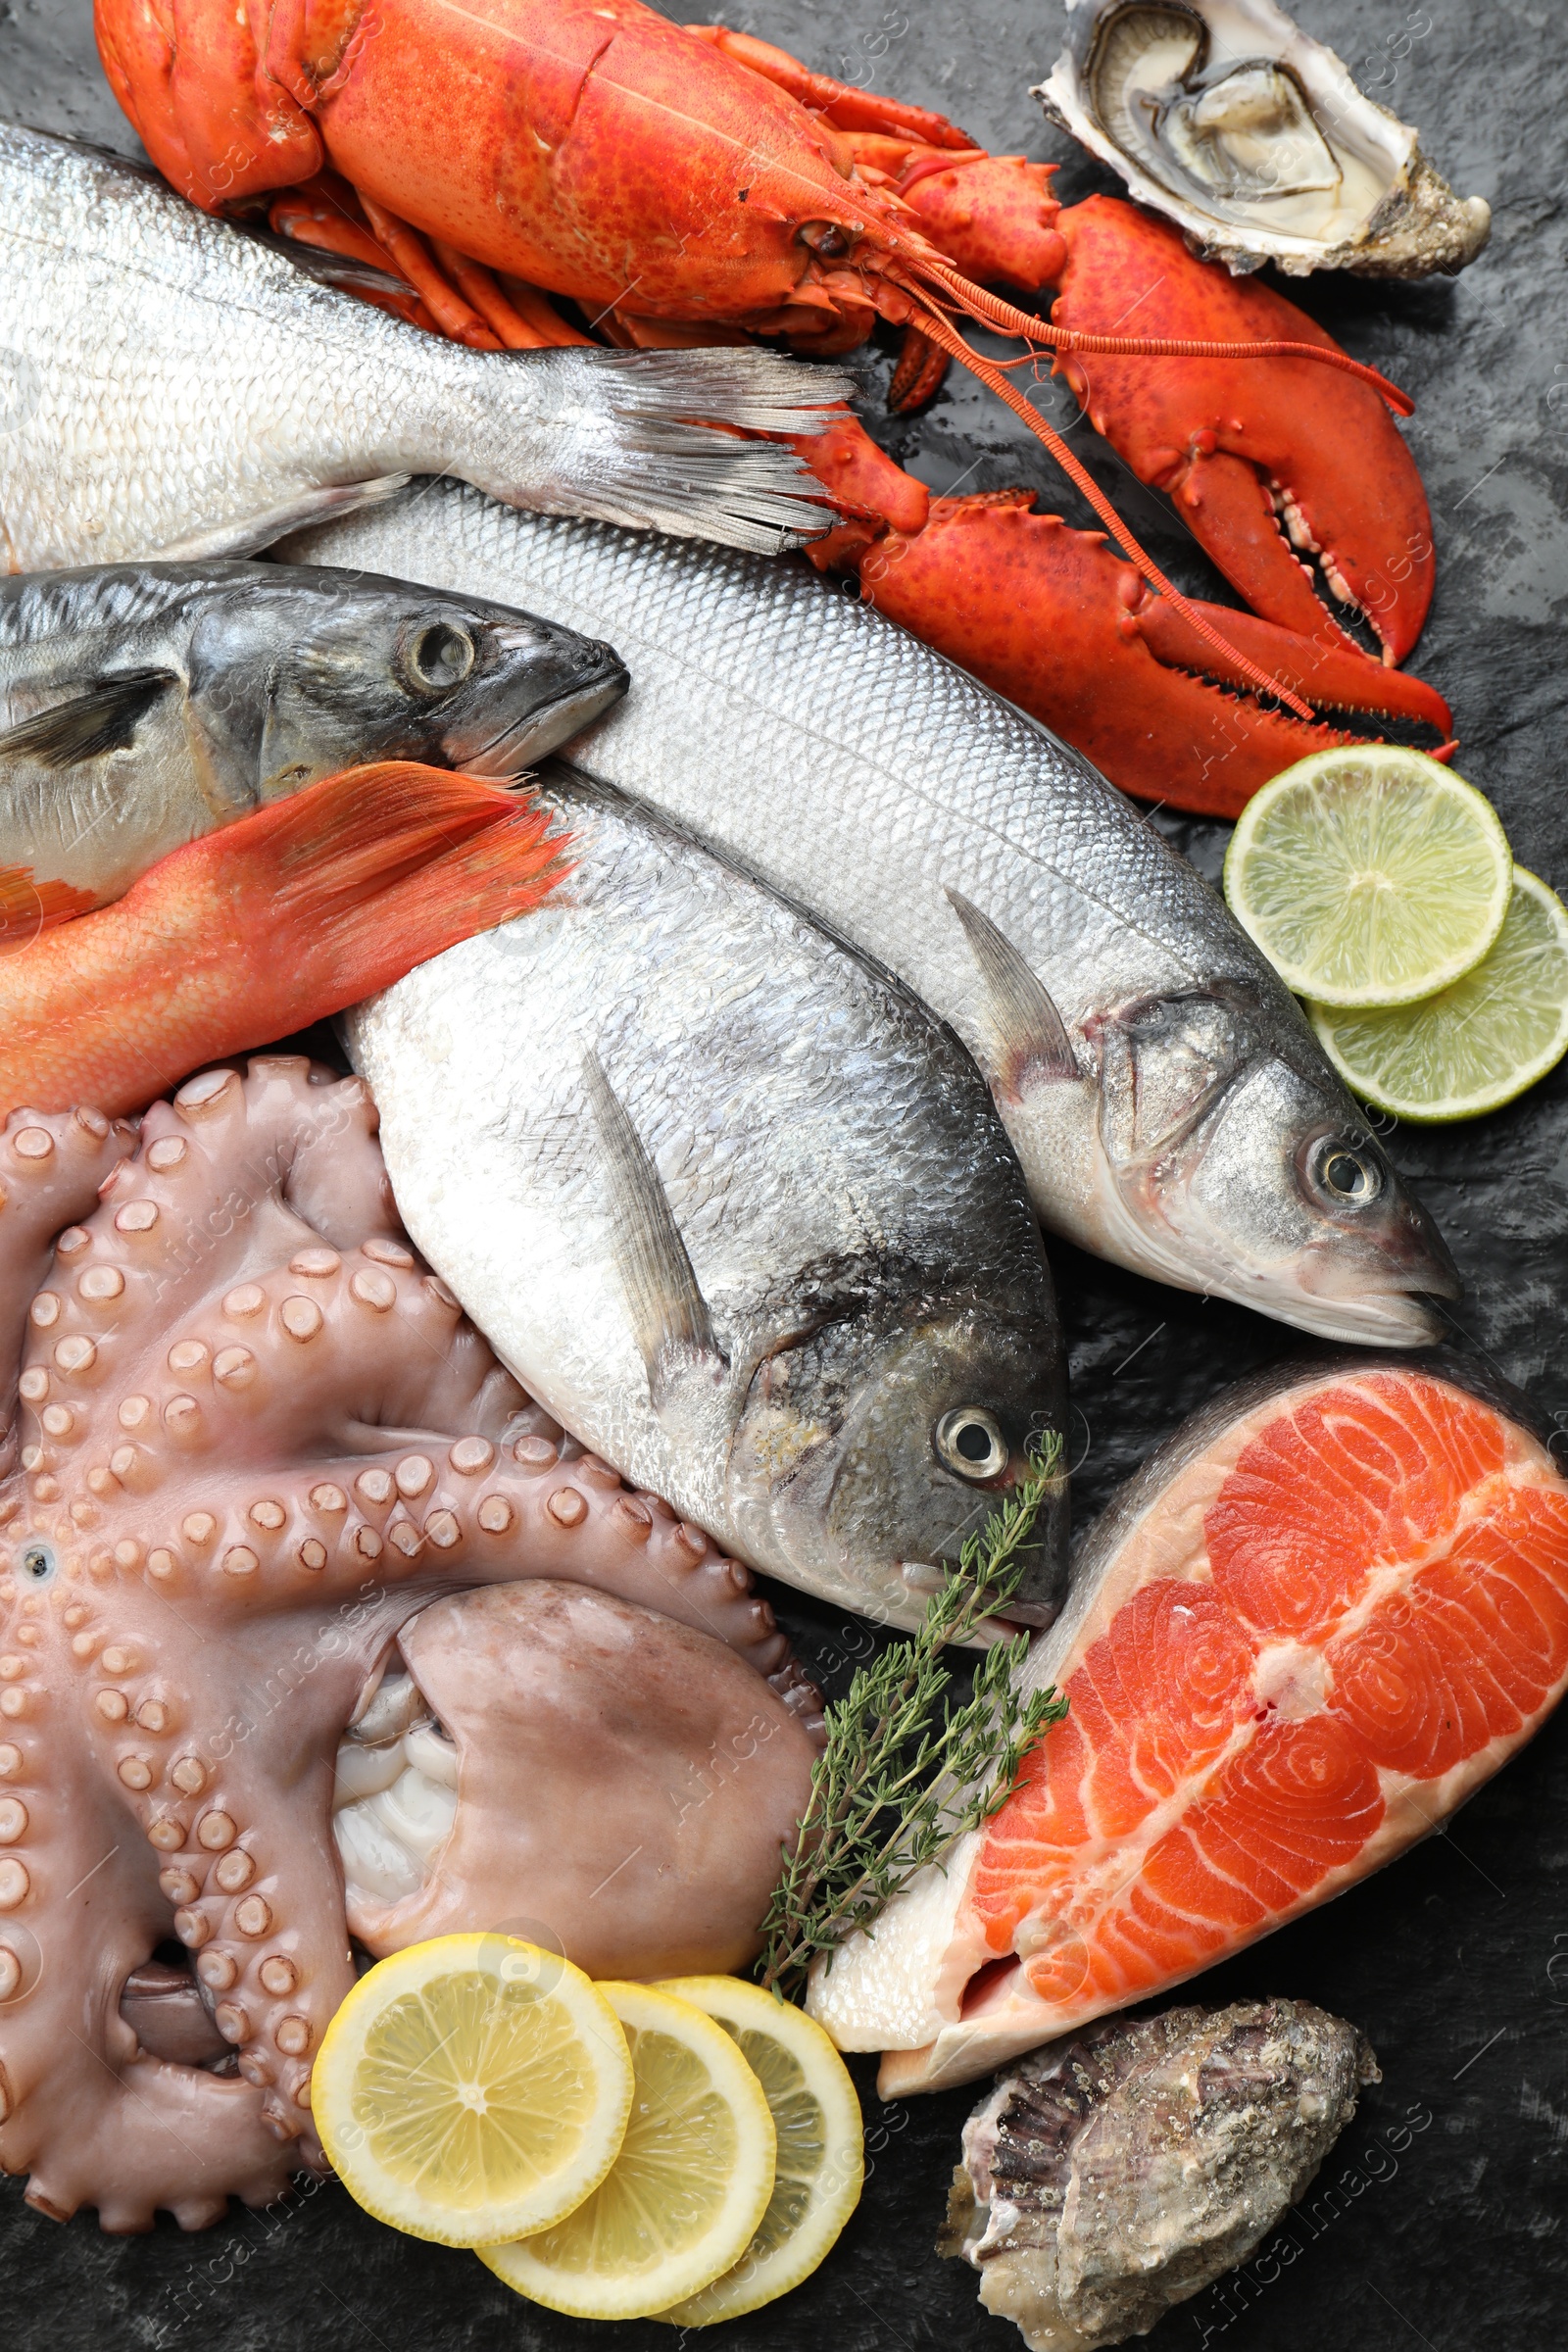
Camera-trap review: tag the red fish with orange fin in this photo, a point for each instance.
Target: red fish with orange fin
(276, 921)
(1316, 1621)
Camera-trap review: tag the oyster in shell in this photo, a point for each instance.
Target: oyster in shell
(1224, 114)
(1115, 2173)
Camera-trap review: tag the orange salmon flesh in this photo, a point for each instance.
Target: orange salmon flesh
(1318, 1637)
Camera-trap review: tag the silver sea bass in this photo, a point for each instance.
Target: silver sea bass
(1171, 1107)
(171, 385)
(733, 1206)
(142, 705)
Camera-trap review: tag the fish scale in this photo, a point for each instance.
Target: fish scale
(857, 771)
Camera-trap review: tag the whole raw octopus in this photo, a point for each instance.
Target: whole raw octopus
(250, 1440)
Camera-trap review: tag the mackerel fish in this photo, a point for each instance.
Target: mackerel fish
(173, 385)
(1172, 1109)
(734, 1207)
(143, 705)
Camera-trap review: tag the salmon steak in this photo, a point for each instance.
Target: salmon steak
(1315, 1622)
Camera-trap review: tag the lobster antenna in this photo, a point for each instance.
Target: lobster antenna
(991, 310)
(942, 330)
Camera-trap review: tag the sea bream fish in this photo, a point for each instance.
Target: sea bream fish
(1170, 1104)
(734, 1207)
(173, 385)
(144, 705)
(1321, 1615)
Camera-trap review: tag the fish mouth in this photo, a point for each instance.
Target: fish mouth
(1385, 1318)
(542, 729)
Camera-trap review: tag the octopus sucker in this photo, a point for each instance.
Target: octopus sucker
(256, 1468)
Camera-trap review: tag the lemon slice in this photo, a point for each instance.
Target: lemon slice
(1369, 875)
(821, 2148)
(1479, 1043)
(472, 2087)
(685, 2194)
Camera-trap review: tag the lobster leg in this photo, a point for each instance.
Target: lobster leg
(1269, 461)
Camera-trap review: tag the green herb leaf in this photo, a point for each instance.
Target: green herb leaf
(897, 1785)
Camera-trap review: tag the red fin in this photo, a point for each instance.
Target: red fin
(262, 928)
(28, 908)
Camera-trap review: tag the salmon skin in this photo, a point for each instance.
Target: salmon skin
(285, 917)
(1311, 1626)
(143, 705)
(174, 386)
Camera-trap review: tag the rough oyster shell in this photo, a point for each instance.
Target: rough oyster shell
(1115, 2173)
(1251, 135)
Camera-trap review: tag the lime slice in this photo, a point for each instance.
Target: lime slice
(470, 2087)
(1369, 875)
(686, 2192)
(1479, 1043)
(821, 2148)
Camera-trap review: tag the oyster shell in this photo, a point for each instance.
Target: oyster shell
(1224, 114)
(1115, 2173)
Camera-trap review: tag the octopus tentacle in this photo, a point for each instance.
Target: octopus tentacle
(253, 1437)
(52, 1165)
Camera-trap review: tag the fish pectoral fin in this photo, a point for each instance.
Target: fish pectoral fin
(28, 907)
(323, 503)
(670, 1315)
(1031, 1034)
(102, 718)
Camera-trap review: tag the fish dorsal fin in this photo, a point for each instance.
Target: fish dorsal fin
(668, 1312)
(1029, 1032)
(328, 268)
(102, 718)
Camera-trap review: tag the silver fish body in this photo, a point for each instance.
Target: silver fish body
(142, 705)
(171, 385)
(733, 1206)
(1169, 1102)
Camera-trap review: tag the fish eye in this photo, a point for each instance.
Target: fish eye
(440, 656)
(972, 1443)
(38, 1563)
(1350, 1177)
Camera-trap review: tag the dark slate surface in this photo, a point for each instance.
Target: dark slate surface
(1449, 2222)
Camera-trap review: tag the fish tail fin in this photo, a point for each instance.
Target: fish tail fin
(373, 871)
(632, 441)
(28, 907)
(460, 864)
(264, 928)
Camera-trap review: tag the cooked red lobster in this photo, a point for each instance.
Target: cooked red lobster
(691, 184)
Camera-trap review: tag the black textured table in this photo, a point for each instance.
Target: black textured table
(1447, 2222)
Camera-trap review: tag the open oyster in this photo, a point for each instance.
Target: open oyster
(1253, 136)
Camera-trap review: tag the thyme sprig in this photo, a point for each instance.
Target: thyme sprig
(897, 1785)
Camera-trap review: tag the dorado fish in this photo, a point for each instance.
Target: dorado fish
(142, 705)
(1171, 1107)
(171, 386)
(1319, 1617)
(733, 1206)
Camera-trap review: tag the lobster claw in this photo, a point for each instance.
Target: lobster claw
(1061, 624)
(207, 112)
(1271, 461)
